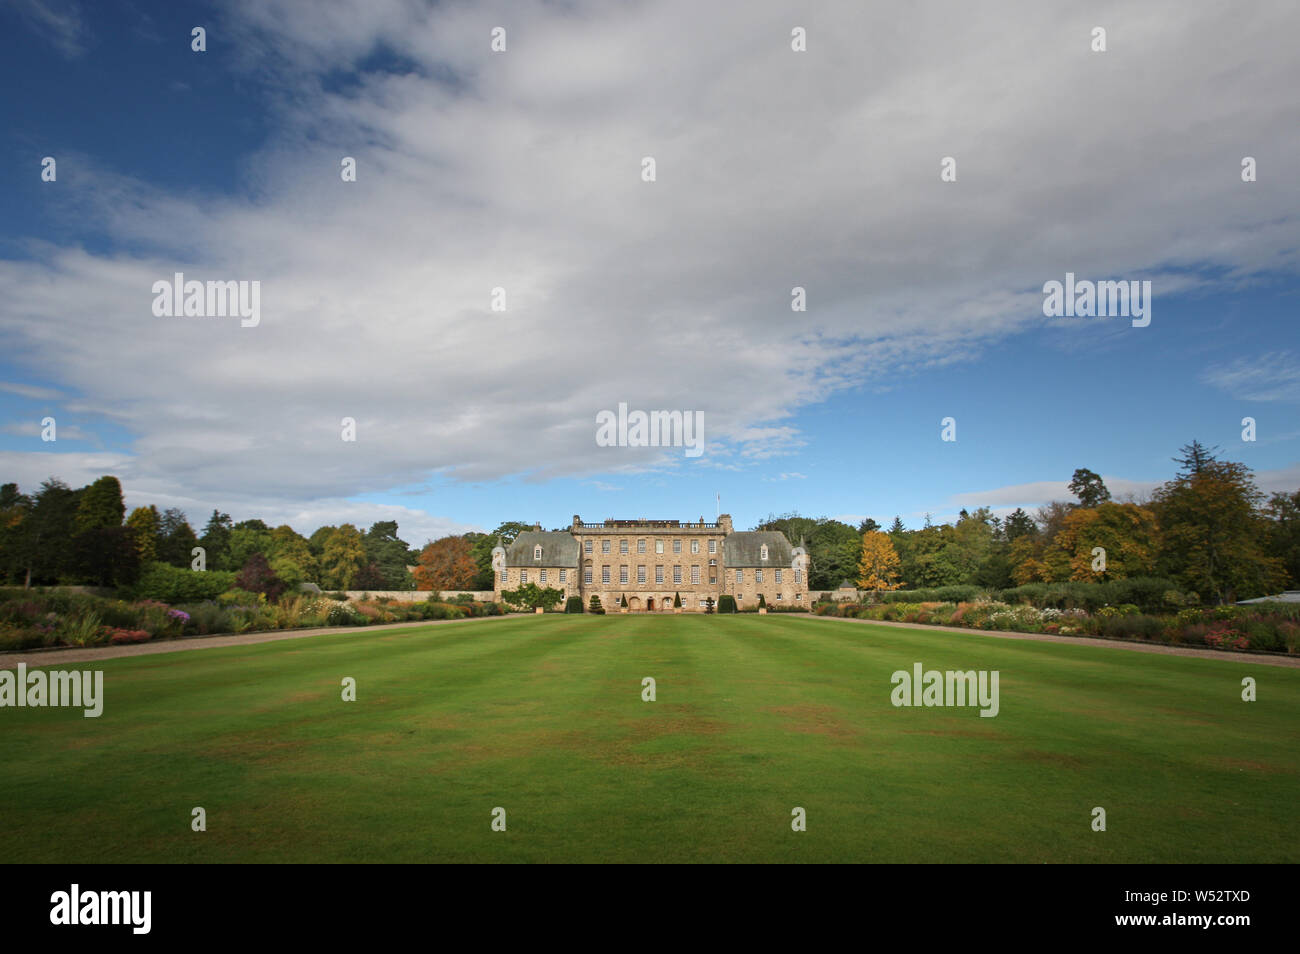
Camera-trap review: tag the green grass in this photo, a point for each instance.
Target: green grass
(755, 715)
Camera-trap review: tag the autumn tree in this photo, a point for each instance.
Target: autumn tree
(1212, 530)
(342, 557)
(878, 565)
(1126, 533)
(145, 523)
(1026, 563)
(446, 564)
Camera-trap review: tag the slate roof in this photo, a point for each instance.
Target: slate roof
(1289, 596)
(744, 548)
(558, 549)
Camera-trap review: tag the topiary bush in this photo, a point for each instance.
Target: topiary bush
(573, 604)
(726, 603)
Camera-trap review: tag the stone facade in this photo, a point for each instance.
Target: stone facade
(650, 561)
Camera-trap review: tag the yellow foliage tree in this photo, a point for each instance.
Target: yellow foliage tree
(1111, 541)
(878, 566)
(1026, 567)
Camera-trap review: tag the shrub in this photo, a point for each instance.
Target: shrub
(727, 604)
(81, 630)
(1263, 634)
(1290, 635)
(677, 601)
(343, 614)
(436, 609)
(119, 636)
(593, 605)
(237, 597)
(172, 584)
(258, 577)
(531, 596)
(208, 618)
(940, 594)
(372, 614)
(289, 613)
(762, 601)
(15, 637)
(573, 604)
(1132, 626)
(1225, 637)
(1146, 593)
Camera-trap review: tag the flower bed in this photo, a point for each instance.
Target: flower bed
(33, 619)
(1235, 628)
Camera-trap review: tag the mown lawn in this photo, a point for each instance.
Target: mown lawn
(543, 716)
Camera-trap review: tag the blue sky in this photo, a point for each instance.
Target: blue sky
(521, 170)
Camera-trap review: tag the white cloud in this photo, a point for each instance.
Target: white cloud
(521, 170)
(58, 21)
(33, 428)
(1005, 500)
(1267, 377)
(31, 391)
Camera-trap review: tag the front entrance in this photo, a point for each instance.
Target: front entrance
(650, 603)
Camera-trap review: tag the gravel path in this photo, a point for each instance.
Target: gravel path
(1258, 659)
(52, 657)
(55, 657)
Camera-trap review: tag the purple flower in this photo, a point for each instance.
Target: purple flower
(181, 615)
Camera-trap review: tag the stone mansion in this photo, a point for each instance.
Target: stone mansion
(650, 561)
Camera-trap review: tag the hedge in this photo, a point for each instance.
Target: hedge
(172, 584)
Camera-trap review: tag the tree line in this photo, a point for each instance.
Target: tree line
(59, 534)
(1209, 528)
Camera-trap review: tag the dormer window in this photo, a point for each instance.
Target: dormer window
(537, 552)
(763, 552)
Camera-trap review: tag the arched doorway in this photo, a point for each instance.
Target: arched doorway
(634, 602)
(650, 603)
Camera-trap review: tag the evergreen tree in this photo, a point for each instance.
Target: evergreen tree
(176, 538)
(1088, 487)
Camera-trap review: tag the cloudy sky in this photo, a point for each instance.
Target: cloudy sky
(522, 170)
